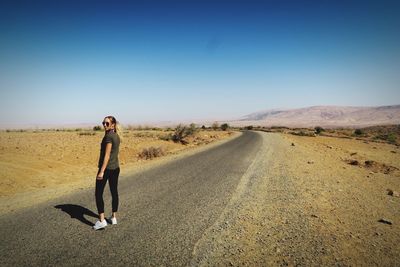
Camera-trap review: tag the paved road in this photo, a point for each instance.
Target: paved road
(163, 213)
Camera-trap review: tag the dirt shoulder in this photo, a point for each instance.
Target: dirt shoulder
(37, 166)
(305, 205)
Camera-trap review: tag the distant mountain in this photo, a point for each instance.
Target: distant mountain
(324, 116)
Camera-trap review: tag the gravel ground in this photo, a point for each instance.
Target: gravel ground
(300, 205)
(264, 223)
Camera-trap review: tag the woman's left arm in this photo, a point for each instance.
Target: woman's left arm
(105, 161)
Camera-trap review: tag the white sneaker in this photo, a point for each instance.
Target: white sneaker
(99, 225)
(113, 220)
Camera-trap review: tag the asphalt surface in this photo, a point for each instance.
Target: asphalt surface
(163, 213)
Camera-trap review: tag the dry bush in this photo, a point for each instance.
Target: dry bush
(303, 133)
(166, 137)
(86, 133)
(182, 131)
(151, 152)
(145, 134)
(215, 126)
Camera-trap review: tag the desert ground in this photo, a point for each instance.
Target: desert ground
(307, 199)
(350, 190)
(41, 164)
(312, 201)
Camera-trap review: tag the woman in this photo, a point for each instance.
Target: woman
(108, 170)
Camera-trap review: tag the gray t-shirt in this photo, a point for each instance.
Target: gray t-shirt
(110, 137)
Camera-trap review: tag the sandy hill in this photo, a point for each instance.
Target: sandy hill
(325, 116)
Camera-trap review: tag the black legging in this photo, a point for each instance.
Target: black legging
(112, 177)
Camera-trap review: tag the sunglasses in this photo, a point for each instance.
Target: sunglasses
(106, 123)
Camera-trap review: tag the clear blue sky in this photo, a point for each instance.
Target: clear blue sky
(77, 61)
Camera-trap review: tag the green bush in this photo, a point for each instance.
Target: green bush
(390, 138)
(319, 129)
(97, 128)
(358, 132)
(224, 126)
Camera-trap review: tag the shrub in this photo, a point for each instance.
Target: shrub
(224, 126)
(250, 127)
(166, 137)
(215, 126)
(181, 132)
(151, 152)
(86, 133)
(97, 128)
(203, 127)
(303, 133)
(191, 129)
(358, 132)
(390, 138)
(319, 129)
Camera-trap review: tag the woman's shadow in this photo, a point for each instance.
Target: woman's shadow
(77, 212)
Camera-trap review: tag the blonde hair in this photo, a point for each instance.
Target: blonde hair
(118, 128)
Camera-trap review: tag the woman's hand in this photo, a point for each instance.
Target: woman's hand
(100, 176)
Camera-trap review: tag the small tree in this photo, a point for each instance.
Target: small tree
(97, 128)
(250, 127)
(215, 126)
(203, 127)
(224, 126)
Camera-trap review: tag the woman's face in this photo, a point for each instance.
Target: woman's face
(107, 124)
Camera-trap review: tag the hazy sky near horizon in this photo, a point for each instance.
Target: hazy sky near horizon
(144, 61)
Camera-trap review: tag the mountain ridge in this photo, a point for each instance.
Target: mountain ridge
(324, 116)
